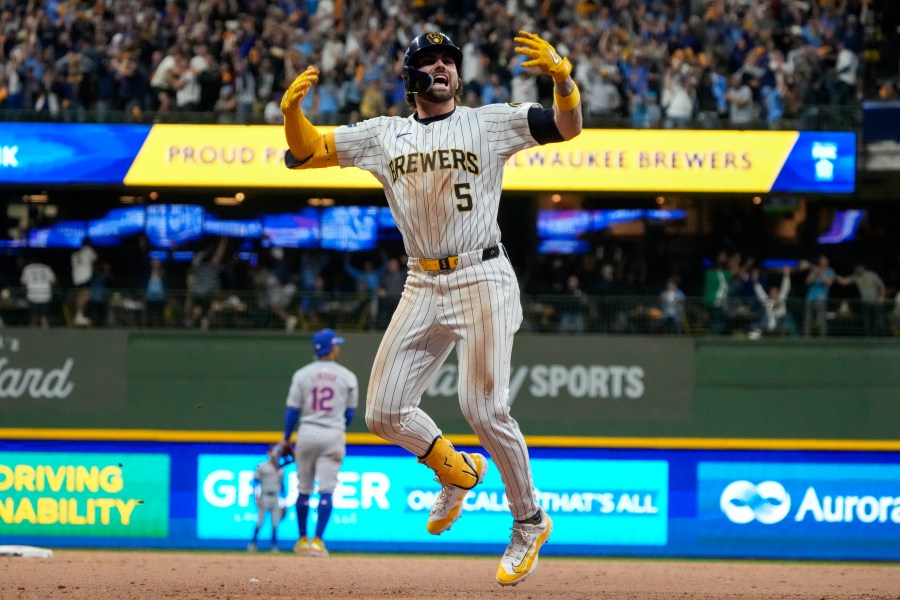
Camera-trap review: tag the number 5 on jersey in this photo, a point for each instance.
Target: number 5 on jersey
(463, 193)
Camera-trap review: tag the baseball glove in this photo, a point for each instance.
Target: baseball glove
(285, 453)
(296, 92)
(542, 56)
(285, 448)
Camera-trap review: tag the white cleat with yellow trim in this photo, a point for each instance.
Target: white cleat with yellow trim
(521, 556)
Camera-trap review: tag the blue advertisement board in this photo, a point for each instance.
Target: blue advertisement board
(593, 503)
(847, 508)
(773, 504)
(170, 225)
(350, 228)
(62, 153)
(820, 162)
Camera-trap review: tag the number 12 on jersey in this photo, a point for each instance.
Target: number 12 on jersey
(321, 399)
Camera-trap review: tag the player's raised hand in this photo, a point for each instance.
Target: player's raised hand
(296, 92)
(542, 56)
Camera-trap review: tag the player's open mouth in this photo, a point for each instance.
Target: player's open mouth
(441, 80)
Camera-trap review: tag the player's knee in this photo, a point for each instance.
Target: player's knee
(380, 421)
(372, 422)
(483, 417)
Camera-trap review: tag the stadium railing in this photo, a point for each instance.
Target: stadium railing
(354, 311)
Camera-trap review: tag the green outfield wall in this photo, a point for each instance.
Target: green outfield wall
(600, 386)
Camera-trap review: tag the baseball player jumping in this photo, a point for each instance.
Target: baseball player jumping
(442, 170)
(323, 397)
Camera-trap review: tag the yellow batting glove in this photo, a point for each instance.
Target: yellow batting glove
(543, 56)
(296, 92)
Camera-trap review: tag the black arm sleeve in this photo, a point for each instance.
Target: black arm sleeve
(543, 125)
(292, 163)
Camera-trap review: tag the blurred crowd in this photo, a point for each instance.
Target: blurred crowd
(641, 63)
(611, 290)
(732, 293)
(655, 62)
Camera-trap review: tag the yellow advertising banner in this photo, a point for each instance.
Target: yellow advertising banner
(597, 160)
(654, 160)
(230, 155)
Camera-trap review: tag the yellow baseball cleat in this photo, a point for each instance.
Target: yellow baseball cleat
(448, 505)
(317, 548)
(521, 556)
(302, 546)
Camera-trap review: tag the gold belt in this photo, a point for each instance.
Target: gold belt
(439, 264)
(449, 263)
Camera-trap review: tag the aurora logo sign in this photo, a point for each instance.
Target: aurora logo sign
(769, 503)
(743, 502)
(810, 496)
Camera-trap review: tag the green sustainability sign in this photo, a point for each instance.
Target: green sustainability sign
(90, 494)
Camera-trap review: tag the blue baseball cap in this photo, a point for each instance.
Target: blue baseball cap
(325, 340)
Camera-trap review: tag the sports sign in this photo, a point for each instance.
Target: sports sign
(597, 160)
(592, 502)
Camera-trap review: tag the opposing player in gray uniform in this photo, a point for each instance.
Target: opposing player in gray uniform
(268, 488)
(442, 171)
(323, 397)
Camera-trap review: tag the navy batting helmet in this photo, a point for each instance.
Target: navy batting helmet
(417, 82)
(430, 40)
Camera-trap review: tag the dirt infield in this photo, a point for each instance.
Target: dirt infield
(106, 575)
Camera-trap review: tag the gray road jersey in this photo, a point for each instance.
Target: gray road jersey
(442, 179)
(323, 391)
(270, 477)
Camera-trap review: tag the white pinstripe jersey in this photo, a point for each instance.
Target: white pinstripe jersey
(323, 390)
(442, 178)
